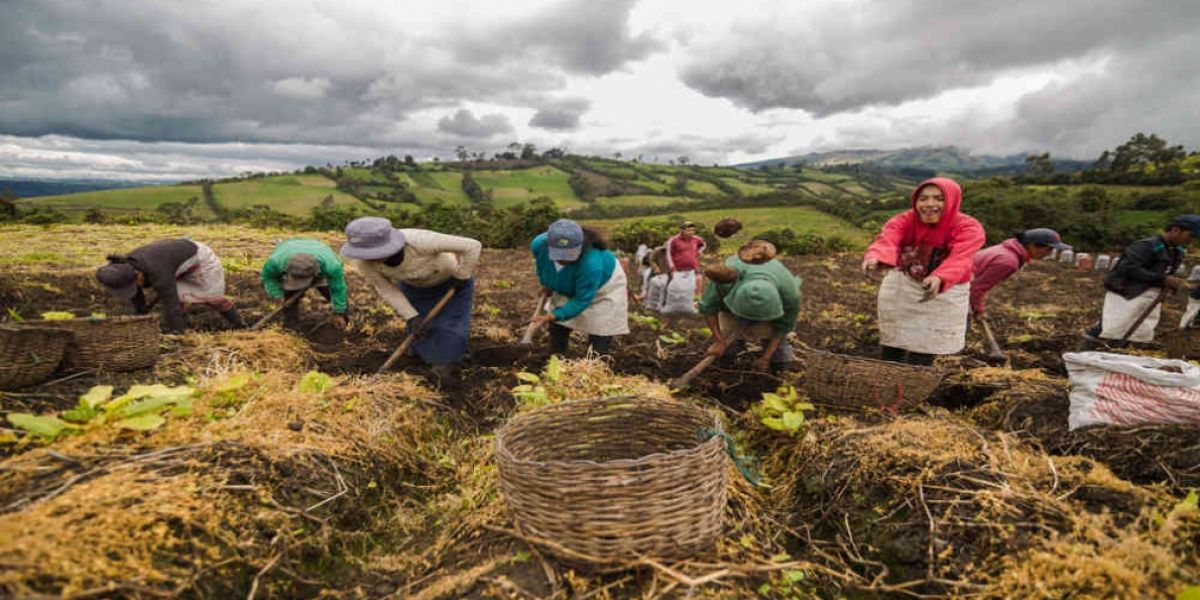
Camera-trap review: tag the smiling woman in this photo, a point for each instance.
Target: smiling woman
(924, 297)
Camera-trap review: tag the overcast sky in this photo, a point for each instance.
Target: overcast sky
(184, 89)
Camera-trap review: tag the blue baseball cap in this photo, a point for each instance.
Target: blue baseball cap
(1044, 237)
(564, 240)
(1191, 222)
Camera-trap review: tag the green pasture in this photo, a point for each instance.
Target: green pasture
(291, 194)
(801, 219)
(122, 200)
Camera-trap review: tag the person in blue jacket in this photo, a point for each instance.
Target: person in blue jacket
(588, 290)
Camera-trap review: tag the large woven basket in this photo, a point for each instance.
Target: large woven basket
(858, 382)
(109, 344)
(28, 355)
(614, 479)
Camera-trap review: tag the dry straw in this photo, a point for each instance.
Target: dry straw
(110, 344)
(853, 381)
(615, 479)
(28, 355)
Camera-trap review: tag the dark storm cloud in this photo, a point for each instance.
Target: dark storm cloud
(582, 36)
(888, 52)
(320, 72)
(561, 115)
(464, 123)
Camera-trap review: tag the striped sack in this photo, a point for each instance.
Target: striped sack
(1116, 389)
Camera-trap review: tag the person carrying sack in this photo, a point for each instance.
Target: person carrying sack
(759, 298)
(181, 271)
(928, 253)
(412, 269)
(1147, 268)
(298, 264)
(589, 290)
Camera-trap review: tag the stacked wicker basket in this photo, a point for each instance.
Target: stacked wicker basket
(31, 350)
(858, 382)
(615, 479)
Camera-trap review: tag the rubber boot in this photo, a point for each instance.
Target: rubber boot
(234, 318)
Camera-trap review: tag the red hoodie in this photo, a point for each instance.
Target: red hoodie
(993, 266)
(946, 248)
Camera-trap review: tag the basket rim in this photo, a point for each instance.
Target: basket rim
(507, 455)
(935, 369)
(49, 323)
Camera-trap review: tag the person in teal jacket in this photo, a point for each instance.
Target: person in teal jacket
(298, 264)
(762, 299)
(588, 290)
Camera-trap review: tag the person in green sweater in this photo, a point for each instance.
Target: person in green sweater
(762, 300)
(298, 264)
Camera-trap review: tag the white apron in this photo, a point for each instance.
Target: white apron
(1119, 315)
(938, 326)
(1189, 315)
(609, 312)
(201, 278)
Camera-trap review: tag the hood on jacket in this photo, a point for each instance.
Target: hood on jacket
(1015, 246)
(937, 233)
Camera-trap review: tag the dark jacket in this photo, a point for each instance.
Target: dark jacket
(1144, 264)
(158, 262)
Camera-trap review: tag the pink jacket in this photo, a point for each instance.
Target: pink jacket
(945, 249)
(994, 265)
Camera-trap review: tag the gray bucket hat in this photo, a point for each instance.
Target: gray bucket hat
(302, 269)
(372, 238)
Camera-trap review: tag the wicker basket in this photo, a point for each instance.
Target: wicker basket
(28, 355)
(854, 381)
(109, 344)
(614, 479)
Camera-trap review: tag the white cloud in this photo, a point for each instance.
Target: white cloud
(300, 88)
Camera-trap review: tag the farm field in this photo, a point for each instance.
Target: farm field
(281, 483)
(126, 199)
(519, 186)
(801, 219)
(291, 194)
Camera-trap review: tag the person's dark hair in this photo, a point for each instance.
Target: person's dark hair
(117, 258)
(592, 238)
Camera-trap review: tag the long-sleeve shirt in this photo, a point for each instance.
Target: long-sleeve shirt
(684, 255)
(159, 263)
(717, 296)
(430, 258)
(578, 281)
(1144, 264)
(328, 263)
(992, 266)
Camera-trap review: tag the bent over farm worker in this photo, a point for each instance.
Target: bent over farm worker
(997, 263)
(762, 300)
(412, 269)
(298, 264)
(1147, 268)
(929, 252)
(181, 271)
(589, 291)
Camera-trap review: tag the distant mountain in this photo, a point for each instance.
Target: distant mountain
(32, 188)
(940, 159)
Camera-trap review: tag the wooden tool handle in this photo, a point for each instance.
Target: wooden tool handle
(412, 335)
(1145, 313)
(537, 310)
(993, 347)
(687, 378)
(274, 313)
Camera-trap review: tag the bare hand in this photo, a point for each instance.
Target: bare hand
(340, 321)
(932, 285)
(1173, 283)
(763, 363)
(870, 265)
(543, 319)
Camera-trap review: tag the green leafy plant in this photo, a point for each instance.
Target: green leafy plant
(502, 284)
(783, 410)
(673, 338)
(57, 315)
(648, 321)
(314, 382)
(140, 408)
(14, 315)
(538, 390)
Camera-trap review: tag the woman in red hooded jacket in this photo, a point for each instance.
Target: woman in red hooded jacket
(928, 252)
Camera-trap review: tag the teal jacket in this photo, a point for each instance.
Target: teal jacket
(578, 281)
(713, 300)
(330, 268)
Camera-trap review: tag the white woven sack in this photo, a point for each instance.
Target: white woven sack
(681, 294)
(1116, 389)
